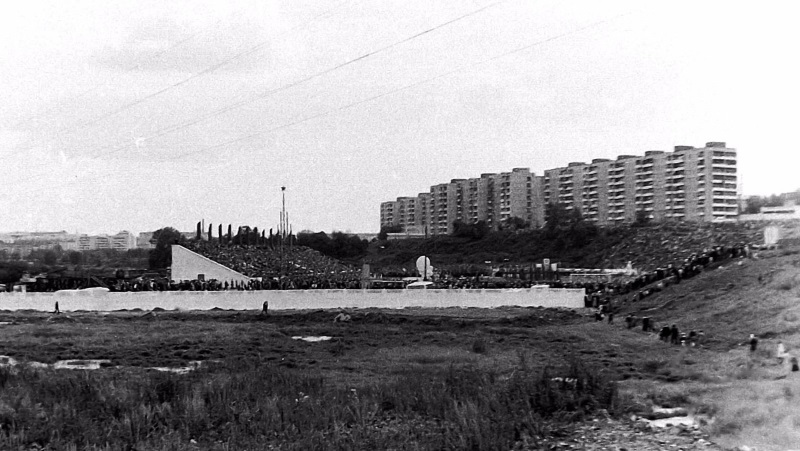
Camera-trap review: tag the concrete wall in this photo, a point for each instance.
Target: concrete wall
(293, 299)
(186, 265)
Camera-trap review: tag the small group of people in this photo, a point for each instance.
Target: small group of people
(673, 336)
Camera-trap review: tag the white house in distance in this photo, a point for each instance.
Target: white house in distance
(121, 241)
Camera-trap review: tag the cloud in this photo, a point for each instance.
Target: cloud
(162, 42)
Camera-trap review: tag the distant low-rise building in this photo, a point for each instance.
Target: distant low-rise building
(143, 240)
(781, 213)
(121, 241)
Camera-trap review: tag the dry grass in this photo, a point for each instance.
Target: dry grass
(761, 414)
(392, 380)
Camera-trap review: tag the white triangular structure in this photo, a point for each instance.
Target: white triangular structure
(188, 265)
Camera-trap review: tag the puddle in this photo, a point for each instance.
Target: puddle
(179, 370)
(92, 364)
(671, 417)
(688, 421)
(312, 338)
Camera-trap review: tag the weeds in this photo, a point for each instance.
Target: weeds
(479, 346)
(244, 404)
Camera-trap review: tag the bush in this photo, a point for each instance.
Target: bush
(250, 405)
(479, 346)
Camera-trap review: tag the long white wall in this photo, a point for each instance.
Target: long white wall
(292, 299)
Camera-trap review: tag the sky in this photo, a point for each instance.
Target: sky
(136, 115)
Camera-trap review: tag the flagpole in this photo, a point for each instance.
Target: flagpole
(283, 224)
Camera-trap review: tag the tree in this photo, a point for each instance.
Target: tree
(50, 257)
(75, 258)
(339, 245)
(642, 218)
(475, 231)
(753, 204)
(385, 230)
(515, 223)
(161, 255)
(557, 217)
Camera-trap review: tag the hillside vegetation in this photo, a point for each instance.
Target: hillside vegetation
(751, 395)
(647, 247)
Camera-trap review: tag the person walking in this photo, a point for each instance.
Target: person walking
(781, 353)
(674, 334)
(753, 343)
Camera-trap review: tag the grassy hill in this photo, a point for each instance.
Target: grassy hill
(646, 247)
(759, 295)
(750, 395)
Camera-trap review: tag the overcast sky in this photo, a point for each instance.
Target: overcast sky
(142, 114)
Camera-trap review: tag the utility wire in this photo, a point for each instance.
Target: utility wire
(203, 72)
(270, 92)
(59, 106)
(403, 88)
(125, 71)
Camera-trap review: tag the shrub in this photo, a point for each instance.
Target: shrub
(250, 405)
(479, 346)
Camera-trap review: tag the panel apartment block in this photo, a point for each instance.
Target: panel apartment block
(387, 213)
(493, 198)
(688, 184)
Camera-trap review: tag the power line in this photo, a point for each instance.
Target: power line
(270, 92)
(95, 88)
(203, 72)
(125, 71)
(403, 88)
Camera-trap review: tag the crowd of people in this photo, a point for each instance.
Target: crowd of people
(599, 295)
(646, 283)
(293, 267)
(274, 283)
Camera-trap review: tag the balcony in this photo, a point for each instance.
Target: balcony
(723, 166)
(731, 196)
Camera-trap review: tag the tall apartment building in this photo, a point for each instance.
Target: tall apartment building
(688, 184)
(493, 198)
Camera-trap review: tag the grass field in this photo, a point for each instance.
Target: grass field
(450, 379)
(404, 379)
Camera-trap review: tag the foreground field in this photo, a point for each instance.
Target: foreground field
(411, 379)
(506, 378)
